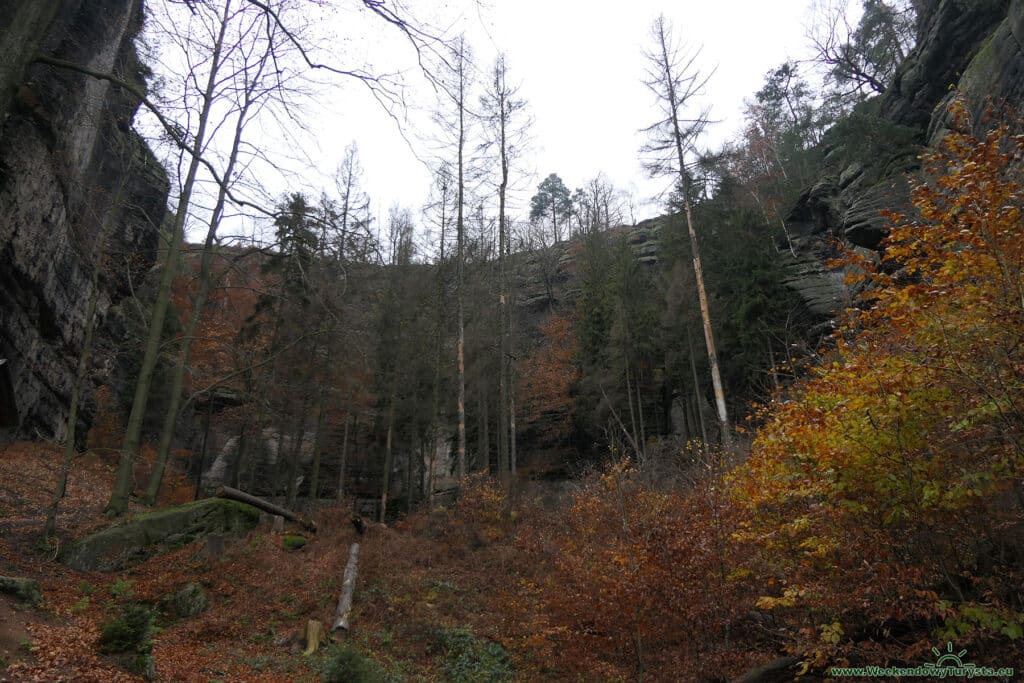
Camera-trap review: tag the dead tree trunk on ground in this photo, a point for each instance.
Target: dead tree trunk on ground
(348, 587)
(266, 506)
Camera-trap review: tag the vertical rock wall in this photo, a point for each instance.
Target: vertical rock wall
(69, 165)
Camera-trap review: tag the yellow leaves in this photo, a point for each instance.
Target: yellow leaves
(831, 633)
(738, 574)
(789, 598)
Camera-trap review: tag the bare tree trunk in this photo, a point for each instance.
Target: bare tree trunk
(632, 417)
(258, 428)
(185, 352)
(386, 475)
(501, 92)
(318, 444)
(709, 335)
(512, 451)
(293, 462)
(408, 481)
(485, 440)
(236, 463)
(640, 415)
(460, 257)
(344, 457)
(773, 372)
(118, 504)
(50, 526)
(696, 386)
(676, 87)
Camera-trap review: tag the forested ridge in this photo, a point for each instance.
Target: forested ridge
(773, 433)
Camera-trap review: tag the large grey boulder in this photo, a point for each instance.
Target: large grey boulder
(140, 537)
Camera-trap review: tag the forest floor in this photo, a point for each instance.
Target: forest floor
(435, 597)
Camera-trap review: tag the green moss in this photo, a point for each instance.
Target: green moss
(25, 590)
(293, 542)
(123, 544)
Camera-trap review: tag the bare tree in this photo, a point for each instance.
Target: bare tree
(455, 90)
(118, 504)
(501, 105)
(249, 87)
(598, 205)
(190, 136)
(862, 60)
(673, 77)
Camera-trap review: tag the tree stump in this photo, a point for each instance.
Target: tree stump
(314, 636)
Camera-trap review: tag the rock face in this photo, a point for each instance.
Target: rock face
(966, 48)
(71, 170)
(948, 37)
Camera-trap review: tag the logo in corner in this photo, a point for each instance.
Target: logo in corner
(948, 660)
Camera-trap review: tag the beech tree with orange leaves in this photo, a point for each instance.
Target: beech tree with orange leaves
(897, 464)
(544, 389)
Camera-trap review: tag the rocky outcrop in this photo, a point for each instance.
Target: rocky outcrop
(994, 78)
(948, 37)
(70, 169)
(133, 541)
(965, 48)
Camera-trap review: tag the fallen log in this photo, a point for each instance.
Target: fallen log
(348, 586)
(266, 506)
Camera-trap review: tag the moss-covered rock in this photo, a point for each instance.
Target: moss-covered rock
(190, 600)
(140, 537)
(26, 590)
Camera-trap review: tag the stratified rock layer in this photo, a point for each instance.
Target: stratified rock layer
(971, 49)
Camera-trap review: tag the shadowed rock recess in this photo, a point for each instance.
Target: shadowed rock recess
(71, 169)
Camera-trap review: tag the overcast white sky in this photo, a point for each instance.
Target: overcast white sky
(580, 67)
(579, 64)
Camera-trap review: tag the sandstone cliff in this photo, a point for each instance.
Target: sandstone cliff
(70, 168)
(966, 48)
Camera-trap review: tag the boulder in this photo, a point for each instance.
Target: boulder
(25, 590)
(140, 537)
(190, 601)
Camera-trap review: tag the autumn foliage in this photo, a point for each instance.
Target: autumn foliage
(884, 491)
(548, 374)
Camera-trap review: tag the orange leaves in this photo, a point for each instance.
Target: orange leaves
(632, 564)
(548, 374)
(903, 441)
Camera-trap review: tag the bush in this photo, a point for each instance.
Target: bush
(345, 664)
(129, 636)
(469, 659)
(128, 632)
